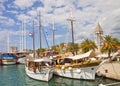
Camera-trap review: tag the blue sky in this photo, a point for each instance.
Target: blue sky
(87, 13)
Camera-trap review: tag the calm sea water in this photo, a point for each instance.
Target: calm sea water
(14, 75)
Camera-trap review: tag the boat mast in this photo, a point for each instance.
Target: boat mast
(71, 22)
(53, 31)
(33, 41)
(40, 33)
(8, 43)
(22, 36)
(24, 29)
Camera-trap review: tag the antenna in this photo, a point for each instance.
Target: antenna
(71, 13)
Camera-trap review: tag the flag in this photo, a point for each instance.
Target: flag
(31, 34)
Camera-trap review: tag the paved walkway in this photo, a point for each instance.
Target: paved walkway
(110, 70)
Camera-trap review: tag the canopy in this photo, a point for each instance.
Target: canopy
(45, 59)
(8, 56)
(102, 56)
(81, 56)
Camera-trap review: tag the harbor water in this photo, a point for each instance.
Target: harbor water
(14, 75)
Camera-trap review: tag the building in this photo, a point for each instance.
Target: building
(13, 49)
(99, 37)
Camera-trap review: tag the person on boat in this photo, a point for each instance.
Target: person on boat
(34, 68)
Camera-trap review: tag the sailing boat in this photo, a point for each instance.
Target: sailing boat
(39, 68)
(8, 57)
(83, 66)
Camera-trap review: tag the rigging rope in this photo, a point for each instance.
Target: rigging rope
(46, 39)
(47, 43)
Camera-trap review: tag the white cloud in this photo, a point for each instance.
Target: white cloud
(2, 6)
(4, 36)
(12, 11)
(87, 13)
(6, 21)
(111, 23)
(32, 13)
(24, 3)
(91, 12)
(22, 17)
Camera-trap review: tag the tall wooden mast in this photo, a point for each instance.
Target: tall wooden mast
(8, 43)
(71, 22)
(40, 33)
(33, 41)
(53, 31)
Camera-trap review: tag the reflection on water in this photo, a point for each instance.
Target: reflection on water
(72, 82)
(32, 82)
(59, 81)
(14, 75)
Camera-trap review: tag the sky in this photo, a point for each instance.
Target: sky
(54, 14)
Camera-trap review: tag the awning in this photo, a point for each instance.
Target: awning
(45, 59)
(102, 56)
(81, 56)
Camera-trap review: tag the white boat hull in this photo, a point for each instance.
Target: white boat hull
(22, 60)
(87, 73)
(44, 75)
(8, 63)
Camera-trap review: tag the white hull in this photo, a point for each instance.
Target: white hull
(7, 63)
(44, 75)
(87, 73)
(21, 60)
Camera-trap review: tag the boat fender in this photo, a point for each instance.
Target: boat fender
(78, 70)
(62, 67)
(70, 68)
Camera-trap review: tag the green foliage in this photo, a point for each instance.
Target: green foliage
(87, 45)
(70, 48)
(40, 50)
(66, 47)
(110, 45)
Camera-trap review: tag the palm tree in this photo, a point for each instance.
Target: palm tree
(87, 45)
(76, 48)
(40, 50)
(109, 45)
(70, 48)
